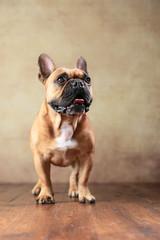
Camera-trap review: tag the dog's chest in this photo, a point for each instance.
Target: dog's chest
(65, 140)
(65, 146)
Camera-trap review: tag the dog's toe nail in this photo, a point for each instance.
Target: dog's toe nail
(82, 200)
(93, 200)
(87, 201)
(35, 194)
(73, 195)
(45, 201)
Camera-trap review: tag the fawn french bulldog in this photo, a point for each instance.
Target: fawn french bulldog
(61, 133)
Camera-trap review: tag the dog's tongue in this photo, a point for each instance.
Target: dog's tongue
(78, 100)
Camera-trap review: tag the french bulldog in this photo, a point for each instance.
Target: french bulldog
(61, 133)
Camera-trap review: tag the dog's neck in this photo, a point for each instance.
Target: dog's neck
(58, 119)
(71, 120)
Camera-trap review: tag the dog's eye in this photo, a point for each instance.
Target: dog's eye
(88, 80)
(61, 80)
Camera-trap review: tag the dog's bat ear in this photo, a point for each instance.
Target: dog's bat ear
(46, 67)
(82, 64)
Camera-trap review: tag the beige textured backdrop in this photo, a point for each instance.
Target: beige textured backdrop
(121, 43)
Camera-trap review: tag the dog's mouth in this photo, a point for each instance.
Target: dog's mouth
(79, 101)
(77, 106)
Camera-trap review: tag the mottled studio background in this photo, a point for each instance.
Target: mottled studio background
(121, 41)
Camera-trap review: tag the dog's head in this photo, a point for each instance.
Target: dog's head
(68, 91)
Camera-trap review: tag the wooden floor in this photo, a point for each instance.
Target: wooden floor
(122, 211)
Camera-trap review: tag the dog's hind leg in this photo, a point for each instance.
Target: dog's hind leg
(73, 181)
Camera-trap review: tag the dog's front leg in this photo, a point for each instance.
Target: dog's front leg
(85, 167)
(44, 184)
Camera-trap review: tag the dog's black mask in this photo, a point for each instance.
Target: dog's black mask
(75, 98)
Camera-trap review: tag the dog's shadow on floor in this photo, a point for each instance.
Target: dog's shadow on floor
(116, 192)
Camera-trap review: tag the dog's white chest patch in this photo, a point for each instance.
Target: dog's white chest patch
(65, 140)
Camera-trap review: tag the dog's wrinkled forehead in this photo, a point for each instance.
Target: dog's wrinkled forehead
(75, 73)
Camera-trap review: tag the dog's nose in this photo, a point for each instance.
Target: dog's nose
(76, 83)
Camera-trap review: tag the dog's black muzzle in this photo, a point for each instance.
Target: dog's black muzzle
(75, 99)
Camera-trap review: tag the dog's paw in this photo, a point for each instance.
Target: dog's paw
(36, 190)
(46, 196)
(86, 197)
(73, 194)
(45, 200)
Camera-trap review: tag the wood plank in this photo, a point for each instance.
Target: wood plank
(122, 211)
(10, 192)
(59, 220)
(113, 219)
